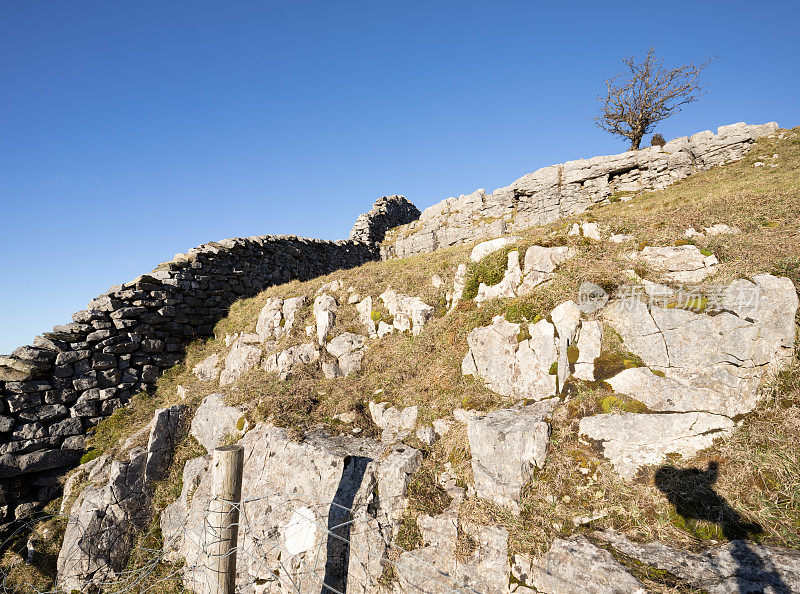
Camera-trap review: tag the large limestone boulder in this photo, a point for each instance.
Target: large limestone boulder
(214, 420)
(509, 366)
(506, 445)
(108, 513)
(712, 363)
(632, 441)
(305, 502)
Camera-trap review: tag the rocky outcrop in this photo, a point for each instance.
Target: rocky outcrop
(305, 501)
(347, 349)
(410, 313)
(560, 190)
(679, 264)
(107, 514)
(702, 369)
(576, 565)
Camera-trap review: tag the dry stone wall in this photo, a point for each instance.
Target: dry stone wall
(69, 379)
(556, 191)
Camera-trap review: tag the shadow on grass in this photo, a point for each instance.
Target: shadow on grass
(691, 491)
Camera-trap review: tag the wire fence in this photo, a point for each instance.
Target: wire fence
(324, 547)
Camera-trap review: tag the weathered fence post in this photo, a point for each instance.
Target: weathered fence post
(223, 519)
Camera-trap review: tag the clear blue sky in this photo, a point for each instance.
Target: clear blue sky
(130, 131)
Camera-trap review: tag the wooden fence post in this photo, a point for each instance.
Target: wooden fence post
(223, 519)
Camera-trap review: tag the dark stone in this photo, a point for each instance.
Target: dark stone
(72, 356)
(103, 361)
(11, 465)
(65, 428)
(86, 382)
(19, 402)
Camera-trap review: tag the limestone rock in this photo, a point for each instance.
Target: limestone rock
(290, 360)
(391, 418)
(737, 566)
(506, 445)
(242, 358)
(268, 325)
(208, 369)
(291, 307)
(483, 249)
(576, 565)
(458, 285)
(325, 308)
(545, 259)
(214, 420)
(507, 287)
(680, 264)
(110, 510)
(384, 329)
(348, 348)
(320, 483)
(509, 367)
(410, 313)
(589, 344)
(631, 441)
(711, 363)
(364, 309)
(435, 568)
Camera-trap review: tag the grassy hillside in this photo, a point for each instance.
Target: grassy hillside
(759, 467)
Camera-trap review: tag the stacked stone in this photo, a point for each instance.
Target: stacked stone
(386, 213)
(557, 191)
(69, 379)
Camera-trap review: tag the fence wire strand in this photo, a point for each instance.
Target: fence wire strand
(350, 552)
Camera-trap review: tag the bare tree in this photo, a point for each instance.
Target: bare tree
(645, 94)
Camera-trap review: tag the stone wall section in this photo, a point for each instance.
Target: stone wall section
(562, 190)
(386, 213)
(53, 391)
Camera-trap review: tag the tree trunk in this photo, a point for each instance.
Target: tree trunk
(635, 141)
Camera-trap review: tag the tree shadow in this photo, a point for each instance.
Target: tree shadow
(691, 491)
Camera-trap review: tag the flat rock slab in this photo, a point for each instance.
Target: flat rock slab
(737, 566)
(506, 445)
(631, 441)
(576, 565)
(680, 264)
